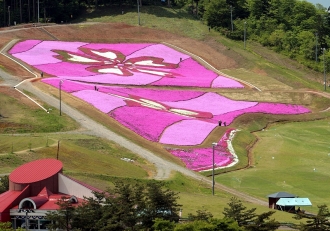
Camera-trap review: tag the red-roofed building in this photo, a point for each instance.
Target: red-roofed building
(34, 190)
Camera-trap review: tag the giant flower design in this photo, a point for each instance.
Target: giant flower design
(114, 62)
(121, 63)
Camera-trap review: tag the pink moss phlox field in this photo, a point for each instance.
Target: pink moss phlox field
(24, 46)
(187, 132)
(214, 103)
(135, 108)
(42, 52)
(146, 122)
(128, 49)
(44, 55)
(203, 77)
(103, 102)
(153, 94)
(176, 117)
(268, 108)
(67, 85)
(224, 82)
(200, 159)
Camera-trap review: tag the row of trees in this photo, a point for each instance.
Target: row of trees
(151, 206)
(295, 28)
(33, 11)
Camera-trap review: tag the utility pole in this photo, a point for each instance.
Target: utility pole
(213, 182)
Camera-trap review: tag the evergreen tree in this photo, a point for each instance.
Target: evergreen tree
(238, 212)
(248, 219)
(62, 218)
(318, 222)
(4, 184)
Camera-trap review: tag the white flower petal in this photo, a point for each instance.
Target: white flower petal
(149, 63)
(160, 73)
(77, 58)
(108, 54)
(156, 105)
(183, 112)
(111, 70)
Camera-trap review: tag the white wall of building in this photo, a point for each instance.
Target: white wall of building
(70, 187)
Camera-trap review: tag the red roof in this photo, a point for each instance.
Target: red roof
(7, 198)
(35, 171)
(53, 199)
(45, 193)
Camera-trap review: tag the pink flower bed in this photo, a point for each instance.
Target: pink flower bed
(177, 117)
(268, 108)
(200, 159)
(223, 82)
(213, 103)
(22, 47)
(146, 122)
(133, 64)
(103, 102)
(187, 132)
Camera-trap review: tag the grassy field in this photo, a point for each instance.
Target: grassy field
(288, 150)
(292, 157)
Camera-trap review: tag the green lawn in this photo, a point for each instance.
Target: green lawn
(291, 157)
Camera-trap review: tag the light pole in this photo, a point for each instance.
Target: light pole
(213, 147)
(61, 97)
(231, 18)
(8, 15)
(244, 35)
(325, 76)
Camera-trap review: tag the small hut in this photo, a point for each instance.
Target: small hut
(273, 198)
(289, 204)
